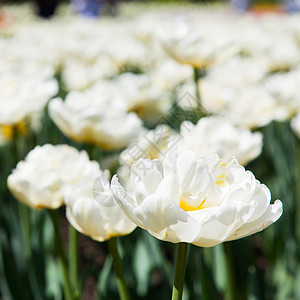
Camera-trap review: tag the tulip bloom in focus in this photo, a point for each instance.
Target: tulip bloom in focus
(202, 201)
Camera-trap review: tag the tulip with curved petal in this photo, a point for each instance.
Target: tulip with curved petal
(202, 201)
(96, 214)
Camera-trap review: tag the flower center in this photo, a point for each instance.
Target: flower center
(186, 207)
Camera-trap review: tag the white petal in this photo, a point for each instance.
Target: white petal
(216, 223)
(186, 166)
(169, 187)
(126, 202)
(86, 216)
(148, 172)
(270, 216)
(261, 200)
(163, 218)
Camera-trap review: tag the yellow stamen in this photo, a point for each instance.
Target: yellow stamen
(221, 181)
(222, 176)
(187, 207)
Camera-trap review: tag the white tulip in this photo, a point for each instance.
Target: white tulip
(93, 211)
(186, 97)
(250, 106)
(198, 48)
(79, 75)
(238, 72)
(168, 73)
(202, 201)
(22, 96)
(255, 107)
(41, 179)
(284, 88)
(219, 135)
(89, 118)
(216, 97)
(152, 144)
(142, 96)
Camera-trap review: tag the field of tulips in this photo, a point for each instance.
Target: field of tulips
(143, 156)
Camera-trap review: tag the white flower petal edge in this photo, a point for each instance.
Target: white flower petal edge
(93, 211)
(202, 201)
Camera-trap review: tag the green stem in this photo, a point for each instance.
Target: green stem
(231, 290)
(25, 228)
(24, 213)
(196, 80)
(90, 150)
(205, 279)
(198, 74)
(73, 259)
(14, 145)
(61, 254)
(94, 152)
(181, 257)
(113, 248)
(33, 139)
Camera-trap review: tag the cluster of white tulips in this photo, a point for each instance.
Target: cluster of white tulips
(129, 88)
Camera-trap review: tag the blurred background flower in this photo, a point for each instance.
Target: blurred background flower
(40, 181)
